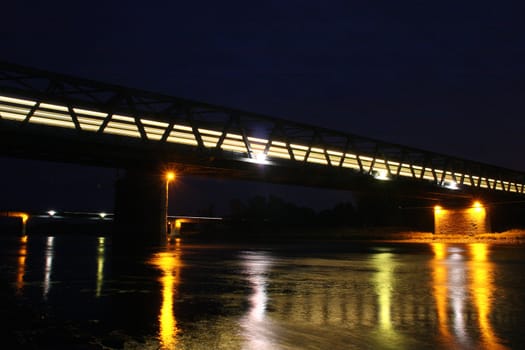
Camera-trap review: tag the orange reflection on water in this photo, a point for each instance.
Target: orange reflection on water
(169, 263)
(482, 288)
(477, 273)
(440, 287)
(22, 254)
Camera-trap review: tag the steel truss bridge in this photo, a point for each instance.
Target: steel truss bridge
(44, 115)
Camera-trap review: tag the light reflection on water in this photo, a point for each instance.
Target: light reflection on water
(101, 258)
(169, 263)
(257, 331)
(384, 278)
(48, 267)
(463, 276)
(375, 297)
(22, 254)
(482, 288)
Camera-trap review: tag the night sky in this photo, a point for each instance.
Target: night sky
(443, 76)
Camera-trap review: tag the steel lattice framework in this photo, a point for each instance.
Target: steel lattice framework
(35, 102)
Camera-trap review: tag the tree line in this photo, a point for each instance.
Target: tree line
(364, 211)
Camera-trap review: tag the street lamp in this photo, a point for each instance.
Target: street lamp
(170, 176)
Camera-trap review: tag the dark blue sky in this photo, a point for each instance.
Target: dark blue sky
(444, 76)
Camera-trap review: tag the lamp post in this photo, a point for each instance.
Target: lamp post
(170, 176)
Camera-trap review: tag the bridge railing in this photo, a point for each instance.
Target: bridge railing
(38, 98)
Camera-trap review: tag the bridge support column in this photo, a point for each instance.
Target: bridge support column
(461, 221)
(141, 208)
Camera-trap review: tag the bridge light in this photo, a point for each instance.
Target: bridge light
(51, 213)
(380, 175)
(478, 207)
(102, 215)
(451, 185)
(260, 157)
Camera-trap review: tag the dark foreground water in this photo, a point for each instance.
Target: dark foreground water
(76, 292)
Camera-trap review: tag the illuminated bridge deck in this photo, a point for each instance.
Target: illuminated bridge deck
(179, 131)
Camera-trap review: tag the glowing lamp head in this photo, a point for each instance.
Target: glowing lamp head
(51, 213)
(102, 215)
(478, 207)
(170, 176)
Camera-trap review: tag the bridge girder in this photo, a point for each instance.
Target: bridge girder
(57, 117)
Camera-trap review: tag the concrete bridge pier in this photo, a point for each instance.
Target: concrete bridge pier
(141, 208)
(465, 220)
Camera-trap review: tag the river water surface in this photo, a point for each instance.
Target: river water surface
(297, 295)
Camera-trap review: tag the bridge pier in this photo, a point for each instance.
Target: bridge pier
(463, 221)
(141, 208)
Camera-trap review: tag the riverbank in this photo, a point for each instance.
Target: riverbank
(506, 237)
(369, 234)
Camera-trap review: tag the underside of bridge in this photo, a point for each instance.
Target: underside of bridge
(139, 157)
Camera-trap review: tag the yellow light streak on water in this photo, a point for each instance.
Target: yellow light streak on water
(384, 279)
(440, 277)
(22, 254)
(482, 289)
(169, 263)
(100, 264)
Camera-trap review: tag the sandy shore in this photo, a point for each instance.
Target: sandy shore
(371, 234)
(507, 237)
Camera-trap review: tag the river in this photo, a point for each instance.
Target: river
(78, 292)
